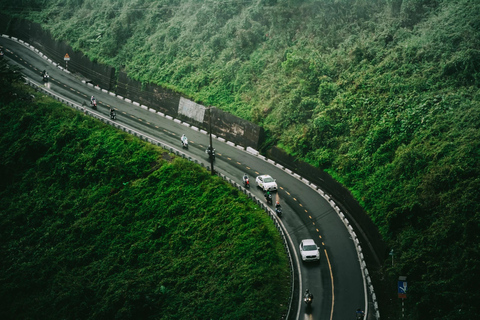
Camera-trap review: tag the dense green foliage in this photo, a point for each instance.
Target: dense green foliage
(10, 76)
(95, 224)
(382, 94)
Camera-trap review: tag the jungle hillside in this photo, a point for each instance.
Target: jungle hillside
(381, 94)
(97, 224)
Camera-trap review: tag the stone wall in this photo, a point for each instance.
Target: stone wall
(151, 95)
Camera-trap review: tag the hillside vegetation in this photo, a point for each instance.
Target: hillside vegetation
(96, 224)
(382, 94)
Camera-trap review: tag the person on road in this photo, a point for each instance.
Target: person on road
(360, 314)
(211, 152)
(184, 141)
(308, 294)
(308, 297)
(268, 197)
(93, 102)
(277, 205)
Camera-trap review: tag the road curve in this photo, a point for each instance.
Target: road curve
(337, 282)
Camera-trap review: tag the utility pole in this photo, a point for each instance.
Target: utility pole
(211, 155)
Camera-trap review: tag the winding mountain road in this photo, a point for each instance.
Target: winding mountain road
(337, 282)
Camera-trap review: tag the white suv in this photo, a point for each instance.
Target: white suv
(266, 182)
(309, 250)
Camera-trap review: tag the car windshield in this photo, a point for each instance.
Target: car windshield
(268, 179)
(310, 247)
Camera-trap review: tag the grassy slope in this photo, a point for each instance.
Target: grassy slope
(95, 224)
(381, 94)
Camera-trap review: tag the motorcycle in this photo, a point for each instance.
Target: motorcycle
(308, 298)
(278, 210)
(185, 143)
(268, 198)
(360, 314)
(211, 153)
(113, 115)
(246, 183)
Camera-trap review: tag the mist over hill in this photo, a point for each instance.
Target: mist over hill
(381, 94)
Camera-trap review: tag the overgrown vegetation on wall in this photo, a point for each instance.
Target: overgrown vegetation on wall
(95, 224)
(382, 94)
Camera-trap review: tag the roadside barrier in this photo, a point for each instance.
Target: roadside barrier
(281, 229)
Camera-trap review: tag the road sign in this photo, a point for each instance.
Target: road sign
(67, 57)
(402, 289)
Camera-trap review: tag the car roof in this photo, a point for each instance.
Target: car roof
(308, 241)
(265, 176)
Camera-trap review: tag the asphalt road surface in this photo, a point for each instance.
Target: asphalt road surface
(336, 282)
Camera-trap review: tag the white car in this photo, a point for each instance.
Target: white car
(266, 182)
(309, 250)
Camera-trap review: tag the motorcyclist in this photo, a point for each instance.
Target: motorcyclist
(360, 314)
(308, 297)
(211, 152)
(278, 209)
(268, 197)
(92, 99)
(245, 178)
(112, 112)
(184, 141)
